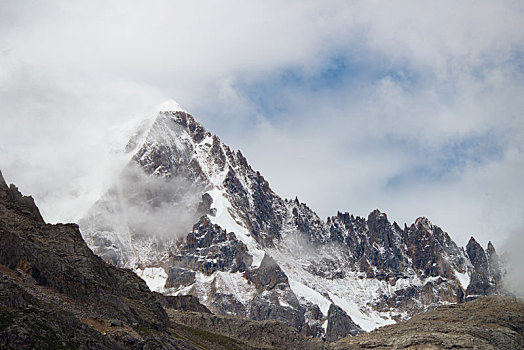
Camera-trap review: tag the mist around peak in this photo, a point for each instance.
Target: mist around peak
(513, 260)
(142, 210)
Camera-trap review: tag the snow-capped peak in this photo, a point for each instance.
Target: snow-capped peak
(141, 128)
(180, 173)
(169, 106)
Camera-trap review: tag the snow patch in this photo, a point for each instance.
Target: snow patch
(169, 106)
(284, 303)
(224, 219)
(368, 320)
(224, 283)
(352, 293)
(235, 284)
(155, 277)
(311, 295)
(463, 278)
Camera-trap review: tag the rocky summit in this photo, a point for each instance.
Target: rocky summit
(190, 216)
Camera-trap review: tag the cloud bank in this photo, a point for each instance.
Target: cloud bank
(514, 261)
(413, 108)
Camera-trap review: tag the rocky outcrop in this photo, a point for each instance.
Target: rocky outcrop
(163, 154)
(14, 200)
(340, 325)
(492, 322)
(495, 267)
(486, 274)
(55, 256)
(272, 306)
(275, 300)
(207, 249)
(27, 321)
(261, 335)
(184, 303)
(269, 275)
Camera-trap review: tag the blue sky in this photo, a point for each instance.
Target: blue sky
(414, 108)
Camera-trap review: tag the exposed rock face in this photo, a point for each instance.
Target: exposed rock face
(382, 266)
(376, 271)
(275, 300)
(492, 322)
(495, 268)
(210, 251)
(270, 276)
(207, 249)
(486, 274)
(261, 335)
(55, 256)
(163, 153)
(184, 303)
(340, 325)
(27, 322)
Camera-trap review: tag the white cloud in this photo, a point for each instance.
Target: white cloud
(362, 93)
(513, 261)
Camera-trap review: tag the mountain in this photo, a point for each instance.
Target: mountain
(56, 294)
(192, 217)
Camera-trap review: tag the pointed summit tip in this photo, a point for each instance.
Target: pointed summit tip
(169, 106)
(473, 243)
(424, 221)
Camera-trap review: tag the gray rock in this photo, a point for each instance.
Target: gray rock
(340, 325)
(184, 303)
(486, 274)
(269, 334)
(492, 322)
(269, 275)
(115, 323)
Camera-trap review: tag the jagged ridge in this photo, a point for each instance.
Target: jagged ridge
(375, 271)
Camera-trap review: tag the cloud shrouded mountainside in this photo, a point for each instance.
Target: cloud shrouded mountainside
(412, 108)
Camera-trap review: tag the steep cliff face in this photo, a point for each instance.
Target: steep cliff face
(179, 174)
(486, 274)
(55, 256)
(340, 324)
